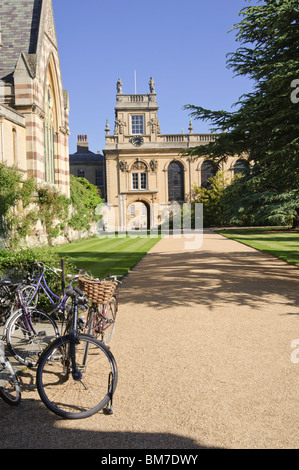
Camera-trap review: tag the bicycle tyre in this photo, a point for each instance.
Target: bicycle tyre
(76, 399)
(10, 390)
(25, 345)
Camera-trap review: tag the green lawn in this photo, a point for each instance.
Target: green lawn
(281, 243)
(101, 256)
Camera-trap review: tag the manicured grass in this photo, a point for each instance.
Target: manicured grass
(101, 256)
(282, 243)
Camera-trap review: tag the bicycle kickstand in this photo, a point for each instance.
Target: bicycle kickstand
(108, 410)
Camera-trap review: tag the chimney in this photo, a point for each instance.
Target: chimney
(82, 144)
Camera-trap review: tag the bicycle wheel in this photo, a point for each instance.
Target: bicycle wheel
(29, 295)
(82, 397)
(28, 336)
(10, 389)
(108, 325)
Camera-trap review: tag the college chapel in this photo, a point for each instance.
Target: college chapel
(141, 168)
(34, 107)
(144, 168)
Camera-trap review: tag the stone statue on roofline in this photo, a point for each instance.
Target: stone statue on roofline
(152, 85)
(119, 86)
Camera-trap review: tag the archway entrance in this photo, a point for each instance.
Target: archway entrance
(139, 217)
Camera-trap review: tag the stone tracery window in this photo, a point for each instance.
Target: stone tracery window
(49, 137)
(176, 181)
(208, 170)
(240, 167)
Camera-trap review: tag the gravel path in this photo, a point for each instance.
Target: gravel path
(203, 346)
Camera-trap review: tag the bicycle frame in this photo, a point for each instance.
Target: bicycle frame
(27, 321)
(26, 316)
(42, 284)
(73, 335)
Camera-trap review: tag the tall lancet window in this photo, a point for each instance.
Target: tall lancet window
(49, 138)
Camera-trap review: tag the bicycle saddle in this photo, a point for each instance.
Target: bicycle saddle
(75, 292)
(5, 282)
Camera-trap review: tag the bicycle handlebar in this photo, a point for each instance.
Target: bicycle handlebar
(42, 265)
(114, 277)
(75, 290)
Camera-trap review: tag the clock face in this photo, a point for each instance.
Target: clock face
(137, 140)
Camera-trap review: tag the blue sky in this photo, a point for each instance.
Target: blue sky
(183, 45)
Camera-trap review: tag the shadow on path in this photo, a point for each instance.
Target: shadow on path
(34, 427)
(166, 280)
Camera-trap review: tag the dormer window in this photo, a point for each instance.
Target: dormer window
(137, 124)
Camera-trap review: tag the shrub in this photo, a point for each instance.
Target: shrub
(85, 199)
(212, 200)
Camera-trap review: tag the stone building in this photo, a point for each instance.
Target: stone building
(144, 168)
(34, 107)
(89, 165)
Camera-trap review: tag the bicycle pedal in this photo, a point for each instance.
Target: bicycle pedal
(42, 333)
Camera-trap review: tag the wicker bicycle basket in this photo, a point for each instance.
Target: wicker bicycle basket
(97, 291)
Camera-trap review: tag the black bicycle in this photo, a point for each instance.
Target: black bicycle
(10, 389)
(77, 374)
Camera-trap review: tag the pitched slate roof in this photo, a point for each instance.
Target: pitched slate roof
(86, 158)
(19, 24)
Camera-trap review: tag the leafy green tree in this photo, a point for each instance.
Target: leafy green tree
(265, 125)
(85, 199)
(245, 204)
(212, 200)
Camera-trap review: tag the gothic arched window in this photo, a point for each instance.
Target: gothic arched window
(176, 181)
(49, 137)
(240, 167)
(208, 170)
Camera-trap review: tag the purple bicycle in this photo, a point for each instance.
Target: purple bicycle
(29, 330)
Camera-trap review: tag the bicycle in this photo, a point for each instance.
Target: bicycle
(58, 302)
(28, 331)
(10, 390)
(8, 298)
(101, 315)
(77, 374)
